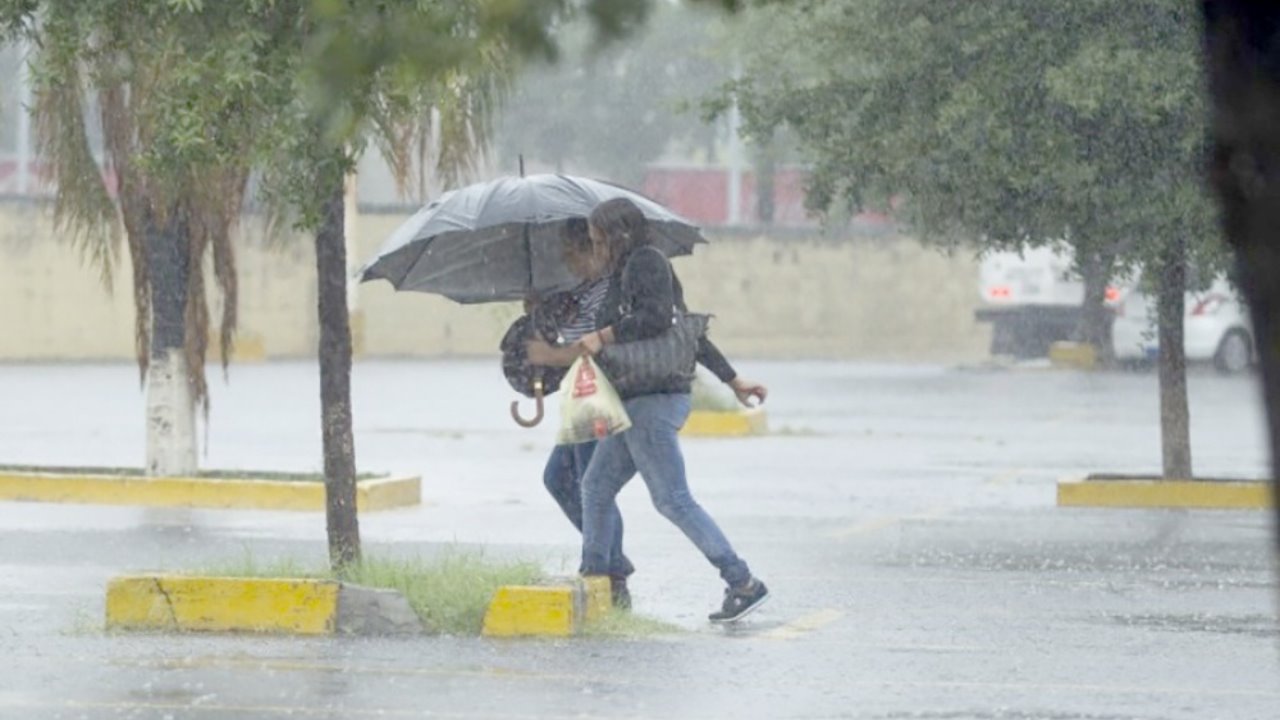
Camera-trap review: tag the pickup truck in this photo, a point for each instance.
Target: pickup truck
(1032, 299)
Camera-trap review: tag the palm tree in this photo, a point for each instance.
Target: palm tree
(176, 89)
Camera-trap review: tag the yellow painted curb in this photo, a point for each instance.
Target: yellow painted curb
(174, 602)
(388, 493)
(357, 324)
(524, 610)
(597, 593)
(374, 494)
(1146, 493)
(249, 347)
(1080, 356)
(555, 610)
(737, 423)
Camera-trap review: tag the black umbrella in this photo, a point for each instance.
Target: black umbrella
(502, 240)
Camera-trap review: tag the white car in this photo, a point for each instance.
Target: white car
(1217, 328)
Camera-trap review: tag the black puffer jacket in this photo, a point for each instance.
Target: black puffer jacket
(639, 305)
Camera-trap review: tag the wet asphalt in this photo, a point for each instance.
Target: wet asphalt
(903, 516)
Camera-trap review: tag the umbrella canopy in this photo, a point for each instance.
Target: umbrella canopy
(502, 240)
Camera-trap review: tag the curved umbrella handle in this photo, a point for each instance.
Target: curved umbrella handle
(538, 411)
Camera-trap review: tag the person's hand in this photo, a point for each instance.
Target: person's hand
(747, 390)
(540, 352)
(591, 343)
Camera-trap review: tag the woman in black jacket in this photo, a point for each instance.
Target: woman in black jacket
(640, 306)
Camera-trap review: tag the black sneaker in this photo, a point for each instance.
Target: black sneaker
(741, 602)
(620, 594)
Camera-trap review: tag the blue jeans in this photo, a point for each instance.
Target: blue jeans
(652, 448)
(563, 479)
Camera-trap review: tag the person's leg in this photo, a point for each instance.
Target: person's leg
(610, 468)
(620, 568)
(654, 447)
(562, 478)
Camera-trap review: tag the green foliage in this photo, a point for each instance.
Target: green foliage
(450, 592)
(995, 123)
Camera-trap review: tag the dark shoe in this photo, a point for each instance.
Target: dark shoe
(741, 602)
(620, 594)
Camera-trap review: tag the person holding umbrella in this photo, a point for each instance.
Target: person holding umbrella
(638, 307)
(573, 314)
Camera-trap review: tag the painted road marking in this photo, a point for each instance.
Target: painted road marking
(804, 625)
(1003, 478)
(240, 711)
(876, 524)
(308, 666)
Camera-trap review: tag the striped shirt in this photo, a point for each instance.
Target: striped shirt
(588, 298)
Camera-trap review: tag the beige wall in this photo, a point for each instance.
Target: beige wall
(792, 297)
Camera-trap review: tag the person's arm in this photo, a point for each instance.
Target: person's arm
(543, 353)
(712, 359)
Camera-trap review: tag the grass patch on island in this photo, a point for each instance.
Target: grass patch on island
(625, 624)
(450, 593)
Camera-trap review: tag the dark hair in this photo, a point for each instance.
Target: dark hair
(624, 227)
(577, 246)
(576, 237)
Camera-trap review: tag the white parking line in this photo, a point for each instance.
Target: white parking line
(804, 625)
(875, 524)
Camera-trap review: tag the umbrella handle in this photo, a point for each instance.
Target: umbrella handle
(538, 411)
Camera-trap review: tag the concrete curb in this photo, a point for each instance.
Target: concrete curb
(560, 608)
(181, 603)
(1121, 492)
(239, 493)
(734, 423)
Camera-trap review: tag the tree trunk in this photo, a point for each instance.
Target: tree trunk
(766, 180)
(1094, 327)
(171, 436)
(1242, 45)
(335, 387)
(1175, 423)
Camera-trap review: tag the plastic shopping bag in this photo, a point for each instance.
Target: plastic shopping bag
(591, 410)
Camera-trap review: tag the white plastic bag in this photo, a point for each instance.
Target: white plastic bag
(591, 409)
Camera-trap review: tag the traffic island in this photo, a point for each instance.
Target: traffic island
(726, 423)
(556, 608)
(208, 489)
(295, 606)
(1073, 356)
(445, 594)
(1130, 491)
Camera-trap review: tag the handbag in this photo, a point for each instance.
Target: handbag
(657, 364)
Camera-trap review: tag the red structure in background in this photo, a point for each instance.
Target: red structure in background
(701, 194)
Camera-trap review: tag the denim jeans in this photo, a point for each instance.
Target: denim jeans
(563, 479)
(652, 448)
